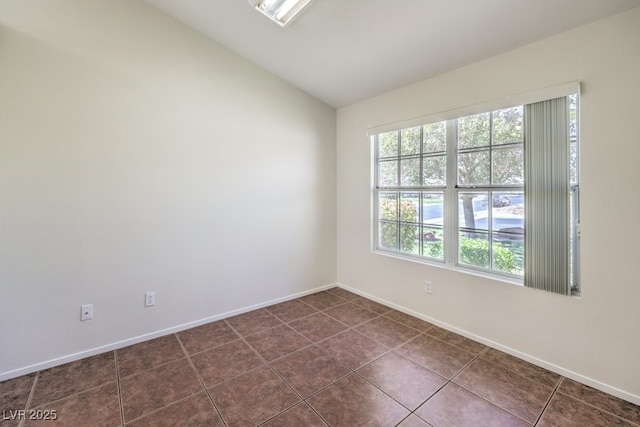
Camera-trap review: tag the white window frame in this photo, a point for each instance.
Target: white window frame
(451, 189)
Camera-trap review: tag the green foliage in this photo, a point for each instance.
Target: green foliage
(389, 231)
(507, 125)
(476, 252)
(491, 130)
(410, 141)
(388, 144)
(435, 137)
(474, 131)
(434, 249)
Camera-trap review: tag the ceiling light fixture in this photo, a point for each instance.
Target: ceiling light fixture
(280, 11)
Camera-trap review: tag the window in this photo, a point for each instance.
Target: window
(453, 192)
(490, 190)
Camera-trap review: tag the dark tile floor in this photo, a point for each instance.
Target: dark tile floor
(331, 358)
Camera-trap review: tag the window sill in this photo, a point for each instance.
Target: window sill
(458, 269)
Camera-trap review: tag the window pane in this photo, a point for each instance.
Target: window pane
(388, 205)
(410, 172)
(507, 125)
(508, 214)
(474, 249)
(433, 208)
(388, 173)
(409, 239)
(388, 235)
(409, 206)
(508, 166)
(388, 144)
(473, 168)
(508, 255)
(473, 211)
(410, 141)
(508, 232)
(432, 217)
(434, 170)
(474, 131)
(435, 135)
(432, 242)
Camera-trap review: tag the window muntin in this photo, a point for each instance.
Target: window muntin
(476, 165)
(491, 221)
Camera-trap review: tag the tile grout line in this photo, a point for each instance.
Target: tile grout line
(483, 398)
(115, 358)
(266, 364)
(598, 408)
(553, 393)
(388, 351)
(30, 397)
(312, 344)
(204, 386)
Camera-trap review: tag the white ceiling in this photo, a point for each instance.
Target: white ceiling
(344, 51)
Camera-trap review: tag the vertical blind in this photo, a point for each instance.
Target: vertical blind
(547, 193)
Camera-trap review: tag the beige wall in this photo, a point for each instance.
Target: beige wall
(593, 339)
(136, 155)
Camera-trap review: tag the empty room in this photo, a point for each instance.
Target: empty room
(319, 213)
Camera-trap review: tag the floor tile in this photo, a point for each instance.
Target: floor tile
(602, 400)
(291, 310)
(414, 421)
(457, 340)
(455, 406)
(148, 354)
(15, 392)
(318, 326)
(344, 294)
(351, 314)
(277, 342)
(410, 321)
(225, 362)
(438, 356)
(353, 402)
(300, 415)
(406, 381)
(353, 349)
(522, 367)
(155, 388)
(512, 392)
(207, 336)
(309, 370)
(372, 305)
(95, 407)
(322, 300)
(65, 380)
(253, 322)
(253, 397)
(387, 332)
(194, 411)
(293, 363)
(565, 411)
(10, 418)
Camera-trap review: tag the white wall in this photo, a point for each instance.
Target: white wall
(136, 155)
(594, 338)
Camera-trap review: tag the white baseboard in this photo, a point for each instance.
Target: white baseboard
(531, 359)
(156, 334)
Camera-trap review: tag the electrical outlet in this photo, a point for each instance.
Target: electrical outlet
(427, 286)
(149, 299)
(86, 312)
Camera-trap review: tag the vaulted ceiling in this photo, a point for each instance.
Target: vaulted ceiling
(344, 51)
